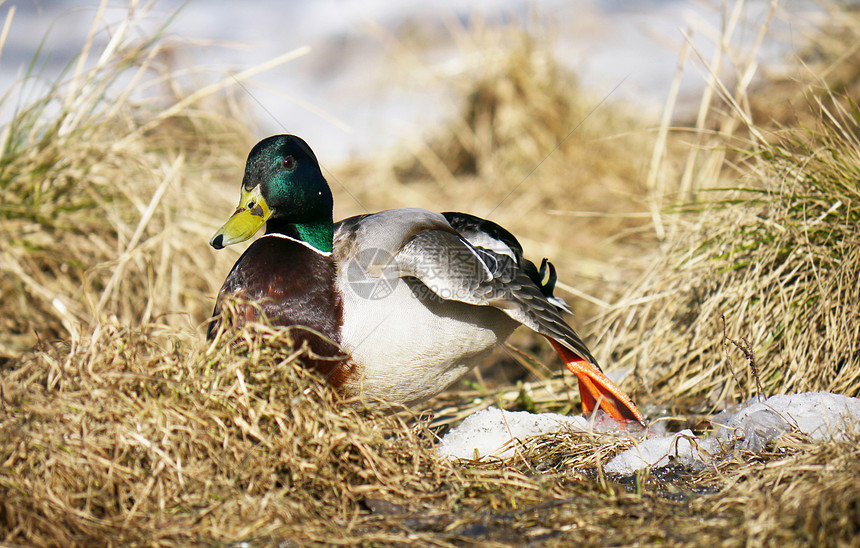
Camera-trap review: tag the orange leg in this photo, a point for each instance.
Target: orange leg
(595, 388)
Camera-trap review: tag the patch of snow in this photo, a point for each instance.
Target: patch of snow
(491, 431)
(656, 452)
(750, 426)
(820, 415)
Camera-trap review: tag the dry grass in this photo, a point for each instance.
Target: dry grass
(798, 495)
(145, 436)
(779, 260)
(827, 67)
(105, 203)
(129, 430)
(776, 254)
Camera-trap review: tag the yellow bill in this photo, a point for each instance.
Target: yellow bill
(250, 215)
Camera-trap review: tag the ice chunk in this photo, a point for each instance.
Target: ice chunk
(486, 432)
(820, 415)
(753, 429)
(658, 451)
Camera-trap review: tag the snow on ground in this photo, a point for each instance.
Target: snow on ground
(656, 452)
(820, 415)
(491, 431)
(750, 426)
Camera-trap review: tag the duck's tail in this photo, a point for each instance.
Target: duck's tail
(596, 389)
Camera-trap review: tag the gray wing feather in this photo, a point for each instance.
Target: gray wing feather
(455, 270)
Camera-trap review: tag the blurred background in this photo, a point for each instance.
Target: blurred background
(378, 71)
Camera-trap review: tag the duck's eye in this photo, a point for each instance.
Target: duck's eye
(289, 163)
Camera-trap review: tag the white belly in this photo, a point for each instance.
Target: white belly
(410, 348)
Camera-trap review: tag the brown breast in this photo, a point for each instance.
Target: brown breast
(291, 285)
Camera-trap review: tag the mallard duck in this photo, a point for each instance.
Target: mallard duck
(412, 298)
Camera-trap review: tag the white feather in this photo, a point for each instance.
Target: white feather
(482, 239)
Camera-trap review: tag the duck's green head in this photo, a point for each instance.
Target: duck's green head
(284, 189)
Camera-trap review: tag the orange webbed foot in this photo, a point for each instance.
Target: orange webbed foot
(596, 389)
